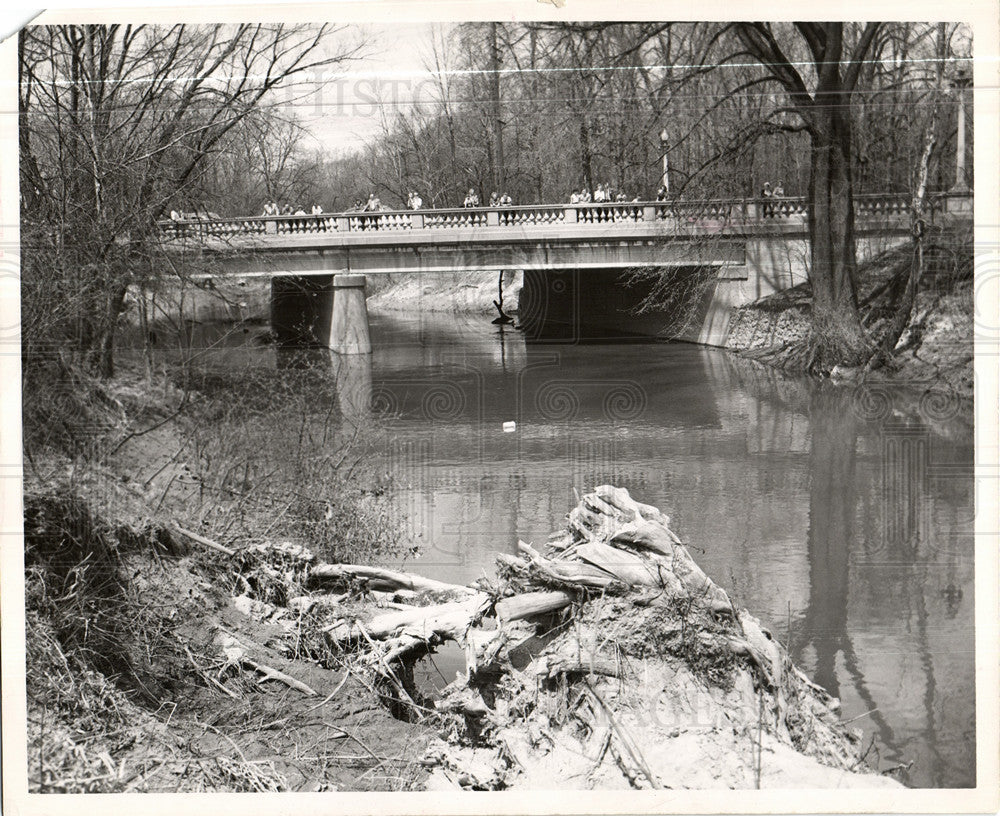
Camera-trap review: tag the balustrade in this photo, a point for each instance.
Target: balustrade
(380, 221)
(303, 224)
(608, 213)
(438, 219)
(875, 205)
(711, 214)
(516, 216)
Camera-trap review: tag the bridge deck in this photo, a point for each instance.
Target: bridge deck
(576, 223)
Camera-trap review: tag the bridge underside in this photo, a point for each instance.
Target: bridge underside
(559, 306)
(625, 254)
(687, 303)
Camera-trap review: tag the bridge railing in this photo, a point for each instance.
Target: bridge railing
(457, 217)
(714, 211)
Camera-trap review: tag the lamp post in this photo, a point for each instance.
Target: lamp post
(960, 81)
(665, 148)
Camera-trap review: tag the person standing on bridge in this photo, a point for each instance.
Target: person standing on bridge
(505, 200)
(767, 194)
(373, 205)
(494, 199)
(779, 192)
(414, 202)
(317, 209)
(661, 194)
(471, 200)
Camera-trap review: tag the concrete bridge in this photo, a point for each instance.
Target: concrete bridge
(575, 258)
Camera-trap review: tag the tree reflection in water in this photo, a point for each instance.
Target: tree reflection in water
(896, 552)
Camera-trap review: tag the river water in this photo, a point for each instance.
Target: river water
(843, 520)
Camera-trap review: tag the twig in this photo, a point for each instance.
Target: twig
(864, 714)
(351, 736)
(760, 734)
(206, 676)
(153, 427)
(331, 695)
(632, 750)
(206, 542)
(273, 674)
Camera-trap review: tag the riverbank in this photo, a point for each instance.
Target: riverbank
(134, 543)
(935, 353)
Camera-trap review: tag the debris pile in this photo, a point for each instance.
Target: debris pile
(605, 659)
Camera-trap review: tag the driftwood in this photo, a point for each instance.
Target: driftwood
(565, 572)
(235, 652)
(271, 673)
(529, 604)
(205, 542)
(444, 621)
(380, 578)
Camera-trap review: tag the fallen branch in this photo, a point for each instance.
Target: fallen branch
(566, 572)
(448, 620)
(205, 542)
(633, 750)
(530, 604)
(380, 578)
(270, 673)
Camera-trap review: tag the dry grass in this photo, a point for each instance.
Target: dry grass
(129, 691)
(124, 681)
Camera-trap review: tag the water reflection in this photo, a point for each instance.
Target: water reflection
(353, 375)
(831, 527)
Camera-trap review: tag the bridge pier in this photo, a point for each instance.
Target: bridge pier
(353, 376)
(326, 310)
(349, 332)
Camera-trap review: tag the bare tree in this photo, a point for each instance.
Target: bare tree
(824, 105)
(116, 122)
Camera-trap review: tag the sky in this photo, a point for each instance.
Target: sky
(343, 115)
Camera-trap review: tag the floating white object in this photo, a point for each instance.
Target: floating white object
(509, 427)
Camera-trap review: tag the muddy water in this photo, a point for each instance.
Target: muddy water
(844, 520)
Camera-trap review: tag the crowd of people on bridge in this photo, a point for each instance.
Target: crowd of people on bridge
(603, 193)
(496, 199)
(769, 194)
(271, 208)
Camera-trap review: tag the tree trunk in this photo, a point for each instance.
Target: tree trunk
(105, 352)
(904, 307)
(837, 337)
(498, 179)
(585, 155)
